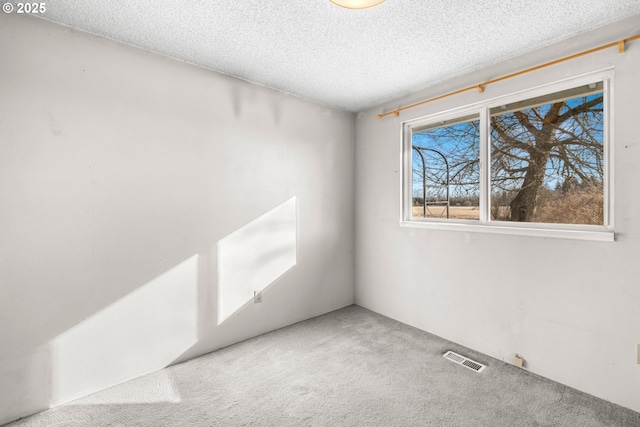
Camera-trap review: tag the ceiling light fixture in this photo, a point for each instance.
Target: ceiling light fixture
(356, 4)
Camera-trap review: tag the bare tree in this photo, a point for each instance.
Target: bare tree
(450, 156)
(551, 142)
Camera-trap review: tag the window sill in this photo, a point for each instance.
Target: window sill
(602, 235)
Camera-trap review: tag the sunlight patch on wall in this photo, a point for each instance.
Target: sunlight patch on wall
(140, 333)
(157, 387)
(254, 256)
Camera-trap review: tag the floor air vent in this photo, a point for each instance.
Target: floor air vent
(461, 360)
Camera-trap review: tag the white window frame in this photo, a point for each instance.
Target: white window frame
(484, 225)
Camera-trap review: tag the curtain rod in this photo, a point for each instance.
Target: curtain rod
(480, 87)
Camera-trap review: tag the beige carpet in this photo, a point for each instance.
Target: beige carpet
(351, 367)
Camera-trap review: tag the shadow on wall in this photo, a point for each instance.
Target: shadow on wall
(142, 332)
(152, 326)
(253, 257)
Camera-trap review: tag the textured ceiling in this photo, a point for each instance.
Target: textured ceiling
(349, 59)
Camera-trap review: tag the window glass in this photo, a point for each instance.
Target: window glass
(547, 158)
(445, 176)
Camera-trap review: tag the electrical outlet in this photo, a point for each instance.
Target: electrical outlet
(257, 297)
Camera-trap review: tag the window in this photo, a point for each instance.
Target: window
(547, 155)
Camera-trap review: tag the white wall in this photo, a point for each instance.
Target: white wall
(120, 171)
(570, 308)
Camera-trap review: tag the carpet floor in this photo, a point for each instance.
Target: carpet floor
(351, 367)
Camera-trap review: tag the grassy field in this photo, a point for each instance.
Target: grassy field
(584, 207)
(455, 212)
